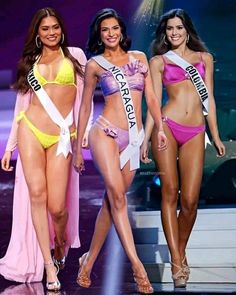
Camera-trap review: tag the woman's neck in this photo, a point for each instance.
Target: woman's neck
(113, 52)
(182, 50)
(50, 50)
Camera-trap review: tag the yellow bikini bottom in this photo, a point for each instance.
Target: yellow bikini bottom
(46, 140)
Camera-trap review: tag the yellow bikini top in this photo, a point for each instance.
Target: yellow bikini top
(65, 75)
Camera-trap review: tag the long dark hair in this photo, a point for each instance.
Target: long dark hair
(159, 45)
(31, 51)
(94, 44)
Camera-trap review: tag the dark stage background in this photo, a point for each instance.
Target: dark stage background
(215, 22)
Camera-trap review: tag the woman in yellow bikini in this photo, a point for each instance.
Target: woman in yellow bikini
(49, 85)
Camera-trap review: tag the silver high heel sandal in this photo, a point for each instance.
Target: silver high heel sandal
(179, 278)
(185, 268)
(61, 261)
(56, 285)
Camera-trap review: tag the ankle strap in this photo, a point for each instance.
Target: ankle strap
(48, 263)
(179, 267)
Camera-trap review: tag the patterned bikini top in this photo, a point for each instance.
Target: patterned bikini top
(173, 73)
(134, 71)
(65, 75)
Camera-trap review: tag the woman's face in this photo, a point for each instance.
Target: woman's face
(176, 32)
(50, 31)
(110, 32)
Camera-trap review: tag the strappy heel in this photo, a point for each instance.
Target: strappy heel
(185, 268)
(56, 285)
(61, 261)
(143, 285)
(83, 278)
(178, 278)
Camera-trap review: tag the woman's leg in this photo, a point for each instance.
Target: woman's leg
(191, 159)
(103, 224)
(167, 167)
(57, 172)
(34, 164)
(108, 164)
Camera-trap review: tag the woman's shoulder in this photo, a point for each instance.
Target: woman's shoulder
(75, 50)
(207, 56)
(78, 53)
(157, 61)
(138, 54)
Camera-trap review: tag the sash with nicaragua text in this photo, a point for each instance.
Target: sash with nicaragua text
(132, 151)
(64, 144)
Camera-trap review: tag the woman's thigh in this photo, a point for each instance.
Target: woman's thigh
(105, 153)
(57, 174)
(191, 160)
(166, 160)
(33, 159)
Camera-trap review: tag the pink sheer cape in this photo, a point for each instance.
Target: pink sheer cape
(23, 261)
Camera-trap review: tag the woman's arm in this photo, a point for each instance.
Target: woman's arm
(90, 81)
(154, 113)
(80, 56)
(211, 118)
(22, 103)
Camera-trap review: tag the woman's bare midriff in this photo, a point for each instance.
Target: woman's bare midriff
(184, 105)
(114, 111)
(63, 96)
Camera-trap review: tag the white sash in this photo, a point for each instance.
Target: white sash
(132, 151)
(196, 80)
(64, 144)
(194, 76)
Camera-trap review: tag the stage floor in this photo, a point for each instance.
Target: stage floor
(105, 269)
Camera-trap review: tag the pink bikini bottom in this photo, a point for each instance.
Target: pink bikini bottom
(121, 136)
(183, 133)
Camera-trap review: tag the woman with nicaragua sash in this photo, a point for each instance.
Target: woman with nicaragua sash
(183, 65)
(49, 85)
(117, 134)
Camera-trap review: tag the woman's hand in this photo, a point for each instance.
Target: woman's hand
(85, 144)
(78, 162)
(144, 153)
(219, 147)
(5, 162)
(162, 140)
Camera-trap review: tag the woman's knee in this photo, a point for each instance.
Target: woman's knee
(117, 198)
(189, 205)
(58, 212)
(170, 193)
(38, 194)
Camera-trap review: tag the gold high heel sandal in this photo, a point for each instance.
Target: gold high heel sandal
(178, 278)
(143, 285)
(61, 261)
(56, 285)
(83, 279)
(185, 268)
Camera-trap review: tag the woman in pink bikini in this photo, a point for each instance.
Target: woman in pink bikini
(116, 136)
(184, 125)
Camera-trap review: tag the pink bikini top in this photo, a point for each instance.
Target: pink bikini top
(135, 72)
(173, 73)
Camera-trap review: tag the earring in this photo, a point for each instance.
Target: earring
(62, 38)
(38, 42)
(187, 40)
(121, 38)
(164, 40)
(100, 43)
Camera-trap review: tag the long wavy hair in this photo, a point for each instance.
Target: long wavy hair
(159, 45)
(31, 52)
(94, 44)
